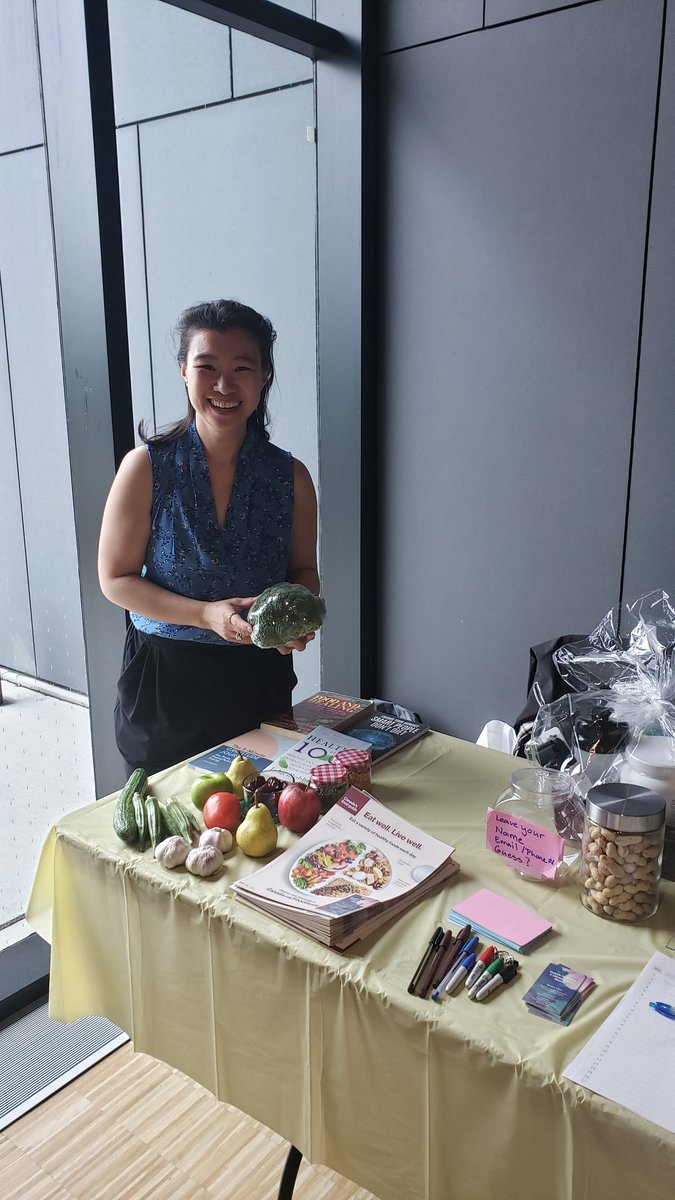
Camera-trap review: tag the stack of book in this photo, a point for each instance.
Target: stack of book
(359, 866)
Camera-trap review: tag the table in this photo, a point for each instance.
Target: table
(412, 1100)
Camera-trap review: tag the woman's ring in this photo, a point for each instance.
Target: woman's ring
(238, 637)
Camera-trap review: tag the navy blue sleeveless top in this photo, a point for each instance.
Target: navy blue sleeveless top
(188, 553)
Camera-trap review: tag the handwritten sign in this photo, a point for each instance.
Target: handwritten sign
(526, 846)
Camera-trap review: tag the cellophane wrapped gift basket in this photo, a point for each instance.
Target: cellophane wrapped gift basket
(617, 725)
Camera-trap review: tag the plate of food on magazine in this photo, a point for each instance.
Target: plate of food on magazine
(341, 868)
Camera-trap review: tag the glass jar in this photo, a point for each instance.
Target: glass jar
(266, 789)
(547, 800)
(358, 765)
(330, 781)
(622, 851)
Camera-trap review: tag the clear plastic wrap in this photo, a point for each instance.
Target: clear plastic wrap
(619, 722)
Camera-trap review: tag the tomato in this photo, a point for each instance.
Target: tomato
(222, 810)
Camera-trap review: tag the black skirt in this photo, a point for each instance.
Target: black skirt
(177, 698)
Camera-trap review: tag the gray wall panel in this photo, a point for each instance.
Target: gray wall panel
(20, 114)
(517, 171)
(16, 635)
(650, 557)
(250, 234)
(509, 10)
(408, 22)
(134, 272)
(40, 421)
(257, 65)
(165, 59)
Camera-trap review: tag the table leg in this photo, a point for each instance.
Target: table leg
(291, 1168)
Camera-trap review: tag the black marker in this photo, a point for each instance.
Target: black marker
(426, 957)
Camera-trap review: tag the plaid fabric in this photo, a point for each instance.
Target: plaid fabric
(328, 773)
(353, 758)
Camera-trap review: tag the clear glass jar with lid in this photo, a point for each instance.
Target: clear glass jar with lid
(548, 801)
(622, 851)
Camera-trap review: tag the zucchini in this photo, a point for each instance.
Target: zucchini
(124, 817)
(141, 820)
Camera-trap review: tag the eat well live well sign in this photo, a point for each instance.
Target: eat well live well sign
(526, 846)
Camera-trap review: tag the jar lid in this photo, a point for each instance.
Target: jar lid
(625, 807)
(353, 758)
(328, 773)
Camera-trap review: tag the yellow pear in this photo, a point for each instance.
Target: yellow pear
(239, 769)
(257, 834)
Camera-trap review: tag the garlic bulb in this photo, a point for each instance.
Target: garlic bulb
(220, 838)
(172, 852)
(204, 860)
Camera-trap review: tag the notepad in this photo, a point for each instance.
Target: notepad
(511, 924)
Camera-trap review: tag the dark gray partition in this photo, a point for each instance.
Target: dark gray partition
(650, 553)
(517, 166)
(409, 22)
(20, 114)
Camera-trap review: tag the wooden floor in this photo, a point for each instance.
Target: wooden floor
(132, 1128)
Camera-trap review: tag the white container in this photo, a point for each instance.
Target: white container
(650, 763)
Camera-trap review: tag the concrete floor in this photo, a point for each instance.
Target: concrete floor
(46, 770)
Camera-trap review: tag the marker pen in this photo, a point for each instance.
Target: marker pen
(508, 972)
(454, 977)
(484, 961)
(428, 976)
(434, 943)
(493, 969)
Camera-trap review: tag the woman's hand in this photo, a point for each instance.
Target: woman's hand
(297, 643)
(224, 618)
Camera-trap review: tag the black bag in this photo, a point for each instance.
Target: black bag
(544, 685)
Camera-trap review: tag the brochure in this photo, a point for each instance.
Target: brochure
(385, 734)
(558, 992)
(358, 867)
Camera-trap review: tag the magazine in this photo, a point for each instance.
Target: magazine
(314, 748)
(261, 746)
(331, 710)
(358, 867)
(386, 734)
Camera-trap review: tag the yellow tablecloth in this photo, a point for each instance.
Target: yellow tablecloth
(413, 1100)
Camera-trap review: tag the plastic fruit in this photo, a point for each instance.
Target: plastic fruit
(239, 769)
(299, 807)
(257, 834)
(222, 811)
(206, 785)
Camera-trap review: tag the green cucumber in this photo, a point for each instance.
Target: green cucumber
(124, 817)
(141, 820)
(155, 821)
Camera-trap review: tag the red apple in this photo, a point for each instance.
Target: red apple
(222, 811)
(299, 807)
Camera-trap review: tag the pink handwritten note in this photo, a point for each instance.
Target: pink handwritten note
(526, 846)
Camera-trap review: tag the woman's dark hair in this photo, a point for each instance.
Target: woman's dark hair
(220, 315)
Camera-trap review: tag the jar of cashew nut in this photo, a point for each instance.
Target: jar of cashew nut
(622, 849)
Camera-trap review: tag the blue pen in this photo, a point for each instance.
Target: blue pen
(666, 1010)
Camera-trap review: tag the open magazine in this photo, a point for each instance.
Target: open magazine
(358, 867)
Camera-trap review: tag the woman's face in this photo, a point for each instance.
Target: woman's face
(224, 377)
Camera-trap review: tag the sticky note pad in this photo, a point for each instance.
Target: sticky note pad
(501, 919)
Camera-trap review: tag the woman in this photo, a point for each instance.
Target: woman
(199, 521)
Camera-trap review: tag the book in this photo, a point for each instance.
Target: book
(502, 920)
(359, 866)
(318, 746)
(557, 993)
(331, 710)
(261, 746)
(385, 734)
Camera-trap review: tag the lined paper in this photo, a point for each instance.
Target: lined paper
(631, 1058)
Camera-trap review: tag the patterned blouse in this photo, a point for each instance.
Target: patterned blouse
(188, 553)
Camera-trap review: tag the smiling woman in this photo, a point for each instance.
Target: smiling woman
(198, 522)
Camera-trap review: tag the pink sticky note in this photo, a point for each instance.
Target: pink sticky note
(526, 846)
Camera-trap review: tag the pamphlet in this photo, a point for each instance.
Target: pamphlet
(359, 866)
(558, 992)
